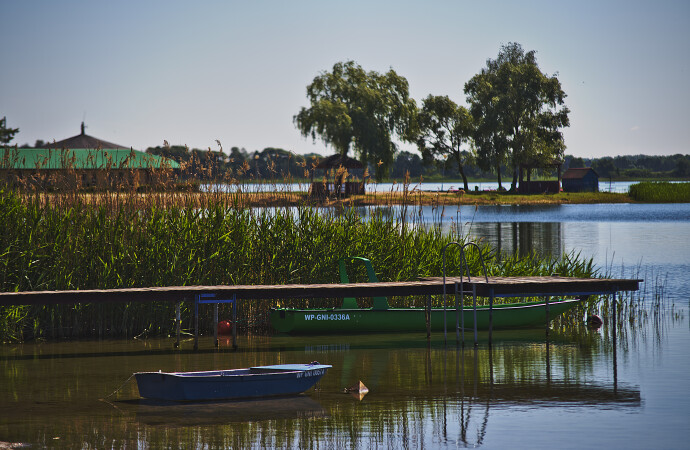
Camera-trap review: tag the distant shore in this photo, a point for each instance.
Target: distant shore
(259, 199)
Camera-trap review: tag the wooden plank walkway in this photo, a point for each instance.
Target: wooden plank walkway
(496, 286)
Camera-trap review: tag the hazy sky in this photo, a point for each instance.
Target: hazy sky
(140, 72)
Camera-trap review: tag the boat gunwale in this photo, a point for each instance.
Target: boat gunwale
(504, 306)
(207, 374)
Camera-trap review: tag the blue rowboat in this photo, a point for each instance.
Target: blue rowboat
(254, 382)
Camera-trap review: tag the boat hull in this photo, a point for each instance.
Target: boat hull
(331, 321)
(254, 382)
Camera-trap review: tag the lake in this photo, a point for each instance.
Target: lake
(620, 187)
(576, 388)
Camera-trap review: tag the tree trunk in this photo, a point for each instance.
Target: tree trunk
(461, 169)
(513, 185)
(498, 172)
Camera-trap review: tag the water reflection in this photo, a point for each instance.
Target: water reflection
(219, 413)
(421, 393)
(523, 238)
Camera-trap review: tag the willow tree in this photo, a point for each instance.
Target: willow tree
(518, 111)
(443, 128)
(365, 111)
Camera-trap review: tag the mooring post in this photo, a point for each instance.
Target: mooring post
(215, 324)
(457, 316)
(474, 305)
(445, 324)
(462, 310)
(196, 322)
(491, 314)
(548, 361)
(615, 359)
(178, 323)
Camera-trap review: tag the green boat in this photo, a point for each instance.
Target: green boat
(349, 318)
(339, 320)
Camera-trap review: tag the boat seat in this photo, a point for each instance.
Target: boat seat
(380, 303)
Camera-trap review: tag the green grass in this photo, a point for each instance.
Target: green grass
(660, 192)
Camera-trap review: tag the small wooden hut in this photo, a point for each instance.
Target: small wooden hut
(583, 179)
(540, 186)
(337, 176)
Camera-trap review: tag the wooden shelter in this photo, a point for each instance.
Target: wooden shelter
(540, 186)
(331, 177)
(583, 179)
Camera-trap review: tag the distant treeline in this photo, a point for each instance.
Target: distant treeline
(272, 163)
(636, 166)
(279, 163)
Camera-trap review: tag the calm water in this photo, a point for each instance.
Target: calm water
(576, 389)
(604, 186)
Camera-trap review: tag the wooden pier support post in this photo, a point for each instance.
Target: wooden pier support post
(474, 305)
(614, 322)
(178, 323)
(491, 315)
(215, 325)
(547, 316)
(428, 316)
(457, 316)
(234, 322)
(548, 361)
(462, 311)
(196, 323)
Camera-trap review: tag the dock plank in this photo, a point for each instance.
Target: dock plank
(501, 287)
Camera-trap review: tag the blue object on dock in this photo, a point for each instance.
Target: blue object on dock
(260, 381)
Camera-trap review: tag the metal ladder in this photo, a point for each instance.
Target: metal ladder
(459, 287)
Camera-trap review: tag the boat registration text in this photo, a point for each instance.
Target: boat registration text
(326, 317)
(311, 373)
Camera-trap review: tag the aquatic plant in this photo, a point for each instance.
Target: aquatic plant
(660, 192)
(117, 235)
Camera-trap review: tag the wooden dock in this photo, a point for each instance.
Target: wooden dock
(490, 287)
(495, 287)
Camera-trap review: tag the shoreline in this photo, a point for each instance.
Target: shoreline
(410, 198)
(263, 199)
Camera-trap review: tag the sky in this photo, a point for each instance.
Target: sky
(139, 73)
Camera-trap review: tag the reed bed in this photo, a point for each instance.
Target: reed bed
(177, 239)
(660, 192)
(61, 235)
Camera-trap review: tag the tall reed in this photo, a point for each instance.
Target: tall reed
(119, 235)
(660, 192)
(181, 239)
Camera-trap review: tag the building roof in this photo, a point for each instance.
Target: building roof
(338, 160)
(81, 158)
(578, 173)
(84, 141)
(81, 152)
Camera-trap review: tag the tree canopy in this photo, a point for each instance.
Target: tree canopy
(6, 134)
(518, 110)
(350, 107)
(443, 127)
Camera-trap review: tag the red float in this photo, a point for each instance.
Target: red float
(224, 328)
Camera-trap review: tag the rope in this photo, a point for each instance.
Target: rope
(118, 389)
